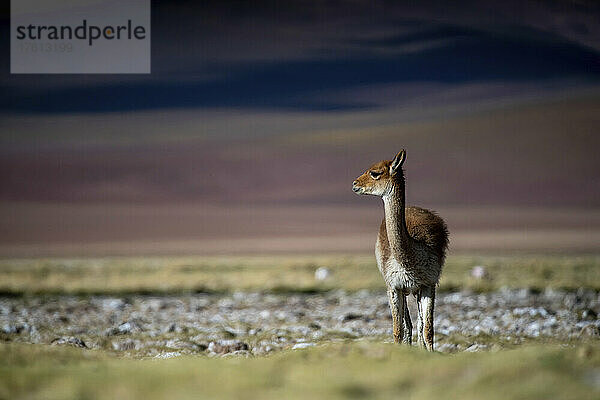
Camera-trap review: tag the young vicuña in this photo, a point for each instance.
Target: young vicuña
(410, 249)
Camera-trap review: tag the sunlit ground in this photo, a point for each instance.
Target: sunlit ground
(184, 308)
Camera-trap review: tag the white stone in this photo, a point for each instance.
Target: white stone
(322, 273)
(478, 272)
(298, 346)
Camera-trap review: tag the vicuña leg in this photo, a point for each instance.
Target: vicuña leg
(396, 300)
(407, 339)
(425, 304)
(420, 340)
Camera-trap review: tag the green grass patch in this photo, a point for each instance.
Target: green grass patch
(347, 370)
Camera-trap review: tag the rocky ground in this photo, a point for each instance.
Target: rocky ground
(252, 323)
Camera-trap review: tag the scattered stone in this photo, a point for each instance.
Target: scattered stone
(322, 274)
(112, 304)
(226, 346)
(531, 311)
(589, 314)
(69, 341)
(124, 328)
(172, 354)
(350, 317)
(202, 346)
(12, 329)
(272, 322)
(479, 272)
(475, 347)
(298, 346)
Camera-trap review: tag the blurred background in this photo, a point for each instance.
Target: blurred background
(257, 117)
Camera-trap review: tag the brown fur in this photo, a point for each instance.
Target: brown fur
(423, 226)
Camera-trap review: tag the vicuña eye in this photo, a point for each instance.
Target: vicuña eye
(375, 174)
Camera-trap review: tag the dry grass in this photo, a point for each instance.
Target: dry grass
(357, 370)
(278, 273)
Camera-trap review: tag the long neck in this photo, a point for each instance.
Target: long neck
(395, 222)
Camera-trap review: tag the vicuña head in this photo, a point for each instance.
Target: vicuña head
(380, 178)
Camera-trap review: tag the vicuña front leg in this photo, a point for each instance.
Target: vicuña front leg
(397, 309)
(425, 305)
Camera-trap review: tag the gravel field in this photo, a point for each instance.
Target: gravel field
(254, 323)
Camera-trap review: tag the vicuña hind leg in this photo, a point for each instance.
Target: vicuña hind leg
(420, 340)
(397, 306)
(425, 305)
(407, 339)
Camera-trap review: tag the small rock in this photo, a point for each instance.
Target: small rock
(70, 341)
(322, 273)
(112, 304)
(168, 355)
(475, 347)
(226, 346)
(268, 348)
(479, 272)
(589, 315)
(124, 328)
(200, 346)
(12, 329)
(317, 335)
(350, 317)
(281, 315)
(298, 346)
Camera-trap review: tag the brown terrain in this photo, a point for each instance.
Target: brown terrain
(516, 177)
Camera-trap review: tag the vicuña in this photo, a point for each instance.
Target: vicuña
(410, 249)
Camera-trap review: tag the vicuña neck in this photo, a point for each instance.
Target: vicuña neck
(395, 222)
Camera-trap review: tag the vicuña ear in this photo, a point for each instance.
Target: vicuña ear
(397, 162)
